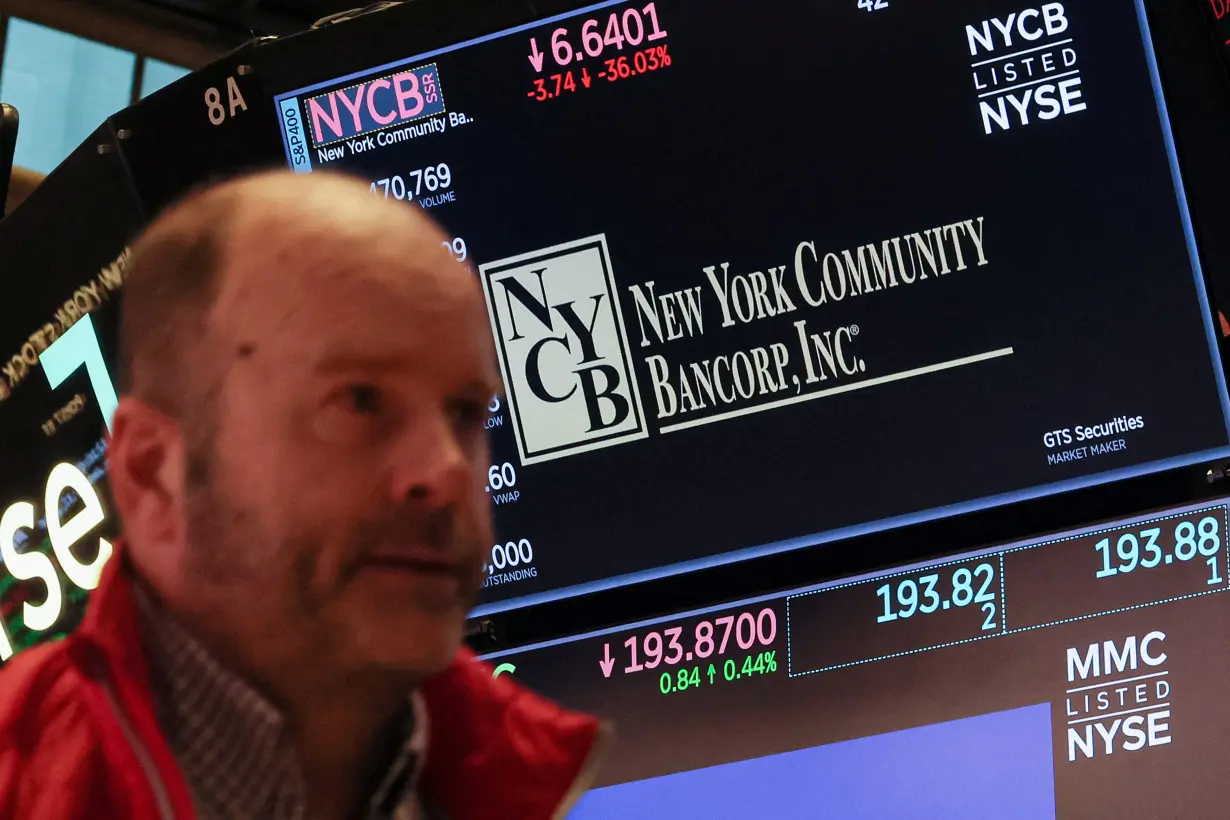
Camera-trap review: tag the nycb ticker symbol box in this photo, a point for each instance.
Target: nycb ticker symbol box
(563, 350)
(374, 105)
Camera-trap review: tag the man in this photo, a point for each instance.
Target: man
(298, 461)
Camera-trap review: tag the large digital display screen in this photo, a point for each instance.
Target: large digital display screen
(761, 276)
(1080, 674)
(747, 263)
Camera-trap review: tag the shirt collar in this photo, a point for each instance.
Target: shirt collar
(231, 743)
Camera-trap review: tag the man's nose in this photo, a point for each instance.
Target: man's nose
(430, 464)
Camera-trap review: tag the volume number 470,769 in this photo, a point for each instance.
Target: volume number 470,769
(415, 183)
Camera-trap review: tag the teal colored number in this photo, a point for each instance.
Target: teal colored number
(928, 593)
(1214, 572)
(907, 597)
(1185, 548)
(987, 573)
(1128, 549)
(1107, 570)
(682, 676)
(729, 670)
(76, 347)
(885, 592)
(962, 587)
(664, 683)
(989, 623)
(1210, 538)
(1151, 548)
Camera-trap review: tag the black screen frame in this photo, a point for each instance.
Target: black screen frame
(1198, 99)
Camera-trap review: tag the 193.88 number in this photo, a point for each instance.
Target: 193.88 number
(1142, 550)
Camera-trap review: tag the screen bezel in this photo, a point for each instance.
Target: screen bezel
(1198, 103)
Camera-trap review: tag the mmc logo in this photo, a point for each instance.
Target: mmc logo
(563, 350)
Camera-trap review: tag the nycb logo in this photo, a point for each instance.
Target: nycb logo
(375, 104)
(1025, 68)
(563, 350)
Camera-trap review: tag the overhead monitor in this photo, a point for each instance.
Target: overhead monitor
(1079, 674)
(760, 276)
(748, 262)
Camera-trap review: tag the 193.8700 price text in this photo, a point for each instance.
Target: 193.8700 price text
(708, 638)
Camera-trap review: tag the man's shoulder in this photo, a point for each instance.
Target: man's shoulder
(536, 758)
(35, 685)
(46, 739)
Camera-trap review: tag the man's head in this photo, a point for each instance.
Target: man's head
(298, 456)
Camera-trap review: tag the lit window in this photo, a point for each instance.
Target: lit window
(158, 74)
(63, 86)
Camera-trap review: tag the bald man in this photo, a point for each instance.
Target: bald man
(298, 460)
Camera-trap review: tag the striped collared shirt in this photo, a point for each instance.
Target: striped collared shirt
(233, 746)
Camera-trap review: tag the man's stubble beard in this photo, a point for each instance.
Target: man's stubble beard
(229, 548)
(217, 527)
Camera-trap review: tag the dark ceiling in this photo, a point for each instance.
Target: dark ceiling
(189, 33)
(247, 17)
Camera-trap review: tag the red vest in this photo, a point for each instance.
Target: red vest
(79, 737)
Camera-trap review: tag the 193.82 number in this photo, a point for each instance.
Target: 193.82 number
(921, 595)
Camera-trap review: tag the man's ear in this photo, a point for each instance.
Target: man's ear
(145, 465)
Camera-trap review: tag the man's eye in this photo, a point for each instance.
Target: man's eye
(467, 413)
(355, 414)
(365, 399)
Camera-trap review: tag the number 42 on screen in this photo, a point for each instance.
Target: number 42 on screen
(872, 5)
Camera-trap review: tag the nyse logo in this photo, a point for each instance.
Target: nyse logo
(1025, 68)
(563, 350)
